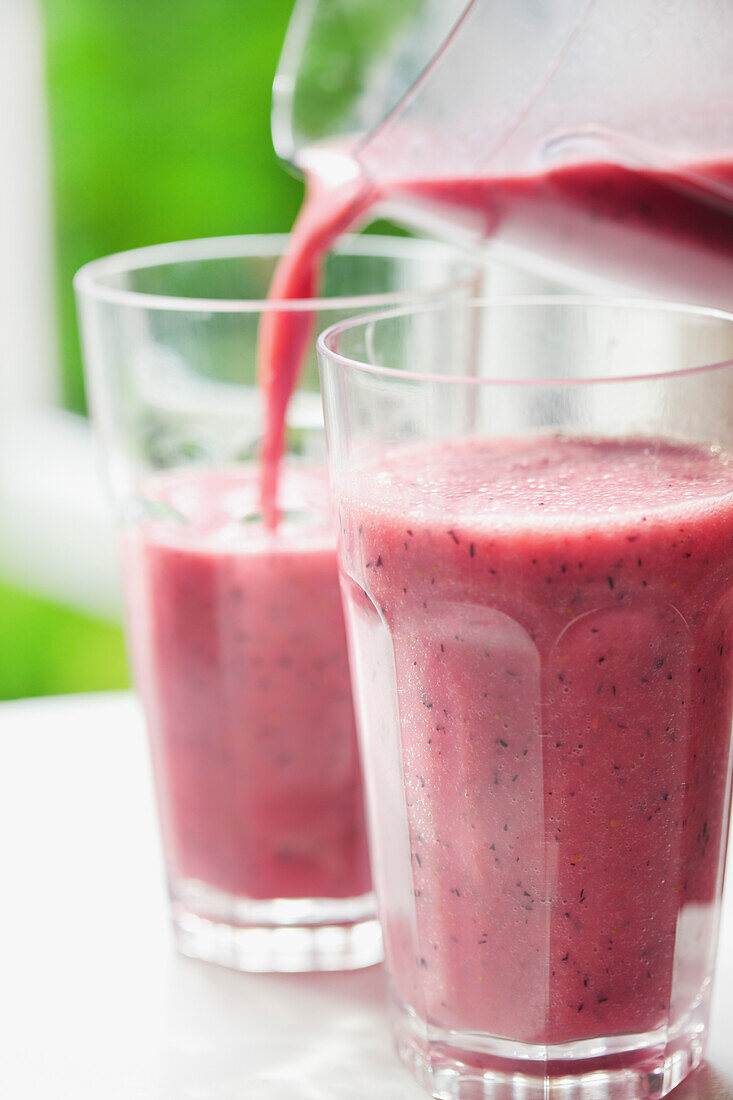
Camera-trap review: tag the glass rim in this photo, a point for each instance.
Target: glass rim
(89, 285)
(638, 305)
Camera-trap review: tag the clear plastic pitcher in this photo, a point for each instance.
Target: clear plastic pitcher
(598, 134)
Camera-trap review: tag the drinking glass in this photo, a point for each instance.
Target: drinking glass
(236, 631)
(535, 508)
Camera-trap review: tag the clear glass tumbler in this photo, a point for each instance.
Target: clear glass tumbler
(535, 507)
(236, 632)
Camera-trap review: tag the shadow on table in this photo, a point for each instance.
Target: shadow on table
(357, 989)
(275, 1036)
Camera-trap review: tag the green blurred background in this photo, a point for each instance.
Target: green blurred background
(159, 130)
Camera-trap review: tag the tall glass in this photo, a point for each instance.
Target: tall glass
(236, 632)
(535, 508)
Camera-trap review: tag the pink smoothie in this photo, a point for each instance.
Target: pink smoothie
(239, 651)
(542, 637)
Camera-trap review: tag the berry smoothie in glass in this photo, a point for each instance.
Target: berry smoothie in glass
(538, 581)
(234, 618)
(239, 650)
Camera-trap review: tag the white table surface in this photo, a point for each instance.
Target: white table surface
(96, 1005)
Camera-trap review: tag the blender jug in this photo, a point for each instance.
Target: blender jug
(598, 135)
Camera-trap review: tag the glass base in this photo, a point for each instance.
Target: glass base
(285, 935)
(452, 1065)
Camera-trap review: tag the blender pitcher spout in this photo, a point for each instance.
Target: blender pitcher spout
(346, 65)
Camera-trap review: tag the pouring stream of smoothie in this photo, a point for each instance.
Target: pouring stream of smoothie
(327, 213)
(660, 231)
